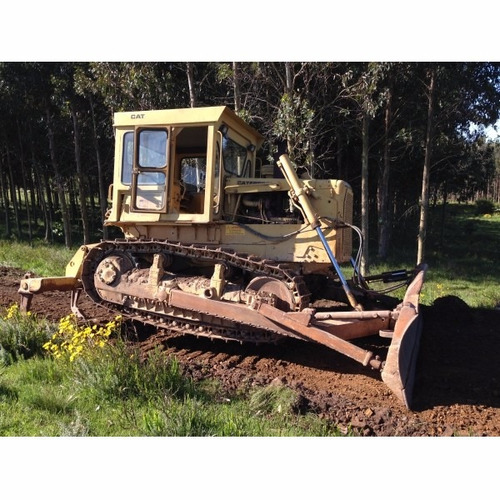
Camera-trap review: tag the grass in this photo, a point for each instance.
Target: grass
(109, 390)
(462, 254)
(22, 336)
(40, 257)
(464, 257)
(114, 394)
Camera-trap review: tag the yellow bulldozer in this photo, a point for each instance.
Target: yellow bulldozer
(218, 244)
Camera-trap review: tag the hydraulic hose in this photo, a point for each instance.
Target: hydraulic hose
(300, 192)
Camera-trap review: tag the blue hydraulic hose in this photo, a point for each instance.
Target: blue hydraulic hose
(333, 260)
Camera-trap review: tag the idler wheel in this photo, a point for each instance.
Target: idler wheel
(112, 267)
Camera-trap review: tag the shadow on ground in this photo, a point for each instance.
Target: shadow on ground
(459, 361)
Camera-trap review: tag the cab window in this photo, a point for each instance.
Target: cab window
(127, 157)
(152, 148)
(152, 154)
(149, 180)
(235, 158)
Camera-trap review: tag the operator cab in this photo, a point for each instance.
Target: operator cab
(173, 164)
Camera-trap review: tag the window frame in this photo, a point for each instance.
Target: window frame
(138, 169)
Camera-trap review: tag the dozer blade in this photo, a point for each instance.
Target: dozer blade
(399, 368)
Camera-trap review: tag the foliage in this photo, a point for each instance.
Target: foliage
(56, 116)
(21, 335)
(293, 124)
(484, 207)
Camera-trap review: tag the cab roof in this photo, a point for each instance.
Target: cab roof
(210, 115)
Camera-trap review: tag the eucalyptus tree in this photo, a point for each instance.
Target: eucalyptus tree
(41, 115)
(7, 90)
(11, 149)
(270, 95)
(495, 187)
(125, 86)
(71, 107)
(24, 100)
(457, 94)
(101, 132)
(191, 84)
(396, 133)
(431, 74)
(362, 88)
(292, 104)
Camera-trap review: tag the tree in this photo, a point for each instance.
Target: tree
(366, 123)
(365, 93)
(191, 84)
(457, 94)
(424, 204)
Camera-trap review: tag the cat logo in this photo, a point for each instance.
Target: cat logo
(136, 116)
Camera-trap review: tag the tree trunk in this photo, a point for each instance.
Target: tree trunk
(70, 189)
(49, 226)
(59, 181)
(82, 191)
(39, 186)
(103, 195)
(384, 215)
(365, 267)
(340, 149)
(289, 91)
(25, 183)
(13, 197)
(443, 214)
(424, 207)
(8, 230)
(192, 90)
(236, 87)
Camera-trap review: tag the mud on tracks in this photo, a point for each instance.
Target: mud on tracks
(457, 390)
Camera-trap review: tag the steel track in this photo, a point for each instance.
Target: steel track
(160, 315)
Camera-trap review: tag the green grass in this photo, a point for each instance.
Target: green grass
(41, 258)
(114, 394)
(111, 391)
(462, 255)
(22, 336)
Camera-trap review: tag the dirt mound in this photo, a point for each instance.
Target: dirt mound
(457, 389)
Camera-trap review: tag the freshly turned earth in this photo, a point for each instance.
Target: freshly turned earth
(457, 388)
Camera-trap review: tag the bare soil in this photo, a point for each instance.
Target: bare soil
(457, 389)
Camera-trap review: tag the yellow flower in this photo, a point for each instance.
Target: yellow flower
(11, 311)
(74, 340)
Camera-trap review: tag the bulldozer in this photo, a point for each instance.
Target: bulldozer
(216, 243)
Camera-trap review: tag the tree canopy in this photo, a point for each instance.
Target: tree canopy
(400, 133)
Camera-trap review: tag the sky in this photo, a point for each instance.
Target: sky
(493, 133)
